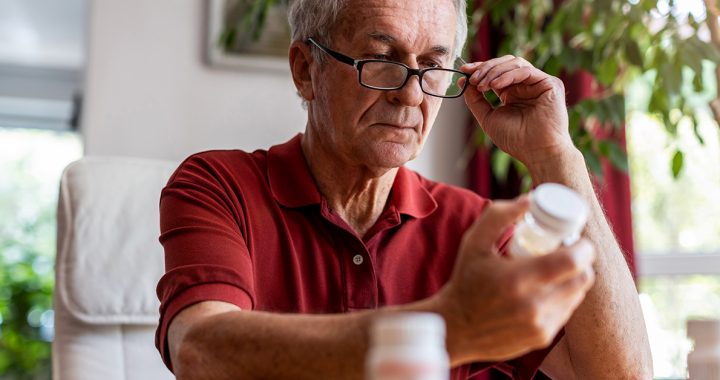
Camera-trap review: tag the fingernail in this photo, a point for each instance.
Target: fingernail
(523, 198)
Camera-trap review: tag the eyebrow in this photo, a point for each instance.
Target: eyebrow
(388, 39)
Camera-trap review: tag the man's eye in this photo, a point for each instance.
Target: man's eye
(383, 57)
(431, 64)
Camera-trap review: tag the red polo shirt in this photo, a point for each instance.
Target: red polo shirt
(252, 229)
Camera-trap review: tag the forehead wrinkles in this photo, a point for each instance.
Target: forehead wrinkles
(405, 20)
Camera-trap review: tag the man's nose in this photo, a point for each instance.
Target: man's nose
(408, 95)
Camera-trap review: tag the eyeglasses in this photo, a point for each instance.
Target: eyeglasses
(379, 74)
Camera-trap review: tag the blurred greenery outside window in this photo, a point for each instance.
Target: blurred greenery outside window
(674, 217)
(31, 162)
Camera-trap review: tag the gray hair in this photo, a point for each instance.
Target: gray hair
(316, 18)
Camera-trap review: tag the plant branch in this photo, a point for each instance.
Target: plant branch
(712, 22)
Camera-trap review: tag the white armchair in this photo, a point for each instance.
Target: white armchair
(108, 263)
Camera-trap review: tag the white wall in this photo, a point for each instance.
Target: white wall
(43, 33)
(150, 94)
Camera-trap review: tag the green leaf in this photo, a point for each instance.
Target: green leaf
(617, 156)
(607, 71)
(227, 39)
(698, 82)
(696, 131)
(710, 51)
(593, 162)
(633, 54)
(574, 120)
(691, 53)
(481, 138)
(598, 110)
(671, 78)
(677, 163)
(617, 103)
(492, 98)
(520, 168)
(526, 184)
(604, 147)
(659, 102)
(501, 165)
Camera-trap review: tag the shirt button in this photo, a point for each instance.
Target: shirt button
(358, 259)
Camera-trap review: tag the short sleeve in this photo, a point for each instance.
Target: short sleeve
(201, 230)
(525, 367)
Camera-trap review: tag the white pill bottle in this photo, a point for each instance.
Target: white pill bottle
(704, 360)
(408, 346)
(557, 215)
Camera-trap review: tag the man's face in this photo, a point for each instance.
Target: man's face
(381, 129)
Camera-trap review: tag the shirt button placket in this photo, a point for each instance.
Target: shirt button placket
(358, 259)
(361, 287)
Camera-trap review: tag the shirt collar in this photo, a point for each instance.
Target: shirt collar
(409, 195)
(290, 180)
(292, 184)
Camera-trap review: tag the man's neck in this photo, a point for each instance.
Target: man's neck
(355, 193)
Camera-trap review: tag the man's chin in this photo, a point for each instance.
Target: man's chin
(391, 154)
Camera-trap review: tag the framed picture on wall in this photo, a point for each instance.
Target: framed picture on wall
(247, 34)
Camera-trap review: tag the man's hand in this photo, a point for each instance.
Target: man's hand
(532, 122)
(499, 308)
(606, 335)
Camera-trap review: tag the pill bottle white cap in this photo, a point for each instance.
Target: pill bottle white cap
(704, 330)
(416, 329)
(558, 208)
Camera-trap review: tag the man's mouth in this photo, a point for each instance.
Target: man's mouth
(398, 126)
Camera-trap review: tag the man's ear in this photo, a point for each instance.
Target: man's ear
(300, 60)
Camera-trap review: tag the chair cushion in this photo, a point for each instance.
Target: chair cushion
(109, 258)
(107, 352)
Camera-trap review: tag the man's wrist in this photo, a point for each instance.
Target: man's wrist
(442, 304)
(459, 349)
(560, 166)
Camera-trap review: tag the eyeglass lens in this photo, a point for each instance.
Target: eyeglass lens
(390, 75)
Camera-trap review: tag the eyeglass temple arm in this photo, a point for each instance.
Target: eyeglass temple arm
(340, 57)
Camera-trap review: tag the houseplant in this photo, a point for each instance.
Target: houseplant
(618, 42)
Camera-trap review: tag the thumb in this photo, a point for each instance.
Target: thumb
(476, 102)
(487, 230)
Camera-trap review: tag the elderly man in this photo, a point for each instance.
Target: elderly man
(278, 261)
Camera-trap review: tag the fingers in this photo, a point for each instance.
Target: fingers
(563, 297)
(494, 221)
(480, 69)
(576, 287)
(483, 67)
(486, 74)
(526, 75)
(567, 296)
(477, 104)
(499, 73)
(564, 264)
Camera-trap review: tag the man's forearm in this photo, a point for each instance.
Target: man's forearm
(260, 345)
(606, 336)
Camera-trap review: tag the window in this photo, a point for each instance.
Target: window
(31, 162)
(677, 225)
(41, 65)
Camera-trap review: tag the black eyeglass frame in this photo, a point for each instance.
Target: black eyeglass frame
(359, 63)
